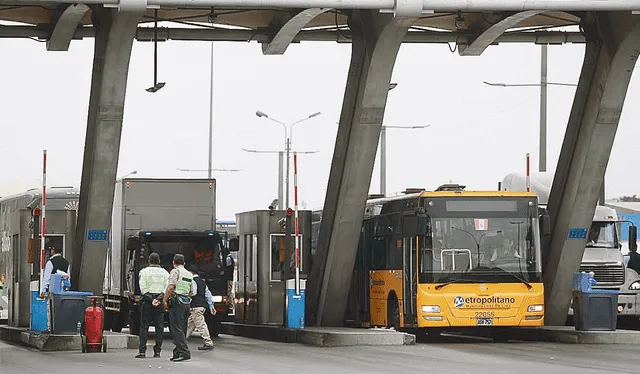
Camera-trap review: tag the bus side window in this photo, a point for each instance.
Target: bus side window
(378, 253)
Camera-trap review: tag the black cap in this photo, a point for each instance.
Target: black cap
(154, 258)
(178, 259)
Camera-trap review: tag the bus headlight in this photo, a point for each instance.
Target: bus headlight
(635, 285)
(430, 309)
(217, 299)
(535, 308)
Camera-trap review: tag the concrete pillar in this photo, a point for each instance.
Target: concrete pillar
(613, 43)
(115, 32)
(375, 43)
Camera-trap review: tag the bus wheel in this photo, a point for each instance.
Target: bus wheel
(393, 313)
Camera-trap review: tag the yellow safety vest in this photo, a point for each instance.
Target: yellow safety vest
(153, 279)
(184, 282)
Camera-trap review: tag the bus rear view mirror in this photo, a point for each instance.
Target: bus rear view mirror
(415, 226)
(633, 237)
(234, 245)
(133, 243)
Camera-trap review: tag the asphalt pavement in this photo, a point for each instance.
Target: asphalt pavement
(242, 355)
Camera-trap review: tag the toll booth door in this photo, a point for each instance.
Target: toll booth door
(409, 281)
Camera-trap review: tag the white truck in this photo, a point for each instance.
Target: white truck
(165, 216)
(602, 253)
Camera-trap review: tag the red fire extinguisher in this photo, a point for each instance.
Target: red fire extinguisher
(93, 340)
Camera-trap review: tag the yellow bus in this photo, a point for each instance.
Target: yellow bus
(448, 258)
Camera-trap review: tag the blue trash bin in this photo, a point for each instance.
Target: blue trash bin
(593, 309)
(295, 304)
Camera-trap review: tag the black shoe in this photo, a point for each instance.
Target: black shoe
(181, 358)
(174, 358)
(206, 348)
(156, 355)
(141, 355)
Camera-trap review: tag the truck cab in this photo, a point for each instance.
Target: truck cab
(205, 254)
(603, 253)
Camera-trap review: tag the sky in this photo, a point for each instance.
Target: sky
(478, 133)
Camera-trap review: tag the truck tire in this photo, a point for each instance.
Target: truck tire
(117, 322)
(134, 323)
(108, 320)
(214, 323)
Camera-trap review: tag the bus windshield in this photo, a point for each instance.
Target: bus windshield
(481, 240)
(203, 253)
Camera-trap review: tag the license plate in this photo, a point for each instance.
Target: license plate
(484, 321)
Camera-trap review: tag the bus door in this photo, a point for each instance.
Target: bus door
(415, 229)
(409, 284)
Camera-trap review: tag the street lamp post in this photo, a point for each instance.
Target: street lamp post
(211, 116)
(280, 167)
(207, 170)
(542, 166)
(126, 175)
(287, 143)
(383, 153)
(544, 83)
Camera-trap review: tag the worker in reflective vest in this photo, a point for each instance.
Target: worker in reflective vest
(179, 291)
(153, 282)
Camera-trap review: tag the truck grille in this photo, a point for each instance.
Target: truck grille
(606, 275)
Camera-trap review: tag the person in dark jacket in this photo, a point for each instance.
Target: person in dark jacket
(201, 299)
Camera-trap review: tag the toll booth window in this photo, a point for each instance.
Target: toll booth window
(279, 261)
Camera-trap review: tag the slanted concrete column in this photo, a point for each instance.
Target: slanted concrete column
(375, 43)
(613, 44)
(115, 32)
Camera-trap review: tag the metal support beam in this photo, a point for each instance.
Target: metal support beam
(387, 6)
(145, 34)
(490, 35)
(280, 42)
(114, 38)
(376, 41)
(65, 27)
(613, 42)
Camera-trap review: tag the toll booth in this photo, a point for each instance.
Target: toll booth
(265, 262)
(20, 245)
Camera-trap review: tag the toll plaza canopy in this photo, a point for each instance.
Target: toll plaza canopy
(39, 21)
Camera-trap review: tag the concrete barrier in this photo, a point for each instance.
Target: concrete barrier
(319, 336)
(49, 343)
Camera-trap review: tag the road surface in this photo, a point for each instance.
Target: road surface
(241, 355)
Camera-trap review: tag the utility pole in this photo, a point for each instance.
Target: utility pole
(210, 169)
(542, 166)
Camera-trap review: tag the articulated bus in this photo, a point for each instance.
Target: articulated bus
(448, 258)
